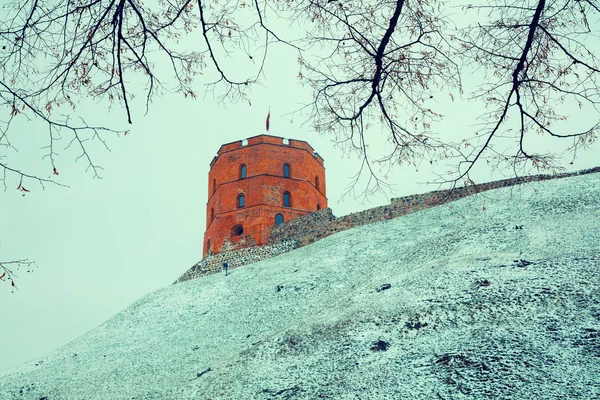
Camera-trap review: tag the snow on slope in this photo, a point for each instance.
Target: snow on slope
(466, 316)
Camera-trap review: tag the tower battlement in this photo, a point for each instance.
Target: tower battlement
(261, 139)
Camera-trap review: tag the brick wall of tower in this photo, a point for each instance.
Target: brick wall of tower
(263, 187)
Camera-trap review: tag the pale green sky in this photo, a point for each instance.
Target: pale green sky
(101, 244)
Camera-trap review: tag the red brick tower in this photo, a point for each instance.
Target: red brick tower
(256, 184)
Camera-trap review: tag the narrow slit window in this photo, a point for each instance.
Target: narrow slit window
(317, 182)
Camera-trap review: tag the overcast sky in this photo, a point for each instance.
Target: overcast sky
(102, 243)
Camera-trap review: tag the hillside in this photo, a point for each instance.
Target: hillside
(492, 296)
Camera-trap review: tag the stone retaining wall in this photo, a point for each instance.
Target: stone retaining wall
(318, 225)
(214, 263)
(305, 229)
(312, 227)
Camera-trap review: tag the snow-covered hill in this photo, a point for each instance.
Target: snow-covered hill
(495, 296)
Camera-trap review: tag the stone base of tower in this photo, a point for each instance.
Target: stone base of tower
(213, 263)
(245, 227)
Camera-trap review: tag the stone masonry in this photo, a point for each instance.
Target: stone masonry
(213, 263)
(320, 224)
(312, 227)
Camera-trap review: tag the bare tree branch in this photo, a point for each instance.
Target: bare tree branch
(376, 67)
(553, 67)
(7, 269)
(58, 53)
(383, 61)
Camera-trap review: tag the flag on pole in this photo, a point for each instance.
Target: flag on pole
(268, 119)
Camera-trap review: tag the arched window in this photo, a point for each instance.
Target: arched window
(243, 171)
(318, 206)
(278, 219)
(287, 199)
(212, 214)
(241, 200)
(286, 170)
(208, 245)
(237, 230)
(317, 182)
(214, 185)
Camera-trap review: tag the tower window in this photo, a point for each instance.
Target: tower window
(278, 219)
(237, 230)
(208, 245)
(212, 214)
(318, 206)
(286, 170)
(243, 171)
(241, 200)
(317, 182)
(214, 185)
(287, 199)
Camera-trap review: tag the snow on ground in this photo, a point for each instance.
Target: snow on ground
(494, 296)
